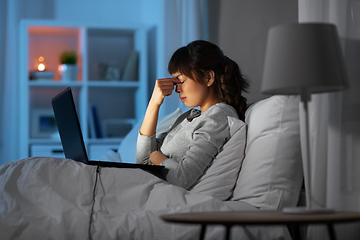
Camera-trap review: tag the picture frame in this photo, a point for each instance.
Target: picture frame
(43, 124)
(108, 71)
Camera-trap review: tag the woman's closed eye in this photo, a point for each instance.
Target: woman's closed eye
(179, 83)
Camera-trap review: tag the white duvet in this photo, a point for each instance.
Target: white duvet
(52, 198)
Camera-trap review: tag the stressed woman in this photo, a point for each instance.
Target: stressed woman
(204, 78)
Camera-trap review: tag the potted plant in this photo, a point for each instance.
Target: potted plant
(69, 69)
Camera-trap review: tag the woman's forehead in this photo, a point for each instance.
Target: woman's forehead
(177, 75)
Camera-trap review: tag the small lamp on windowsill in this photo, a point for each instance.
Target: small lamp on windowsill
(302, 59)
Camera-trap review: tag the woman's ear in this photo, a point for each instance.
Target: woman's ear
(211, 78)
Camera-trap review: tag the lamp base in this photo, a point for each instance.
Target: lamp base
(307, 210)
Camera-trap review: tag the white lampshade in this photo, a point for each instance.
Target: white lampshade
(303, 57)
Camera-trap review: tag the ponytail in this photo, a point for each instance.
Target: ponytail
(231, 87)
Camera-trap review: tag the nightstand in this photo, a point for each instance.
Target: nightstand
(229, 219)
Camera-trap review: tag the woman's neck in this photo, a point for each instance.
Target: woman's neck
(209, 104)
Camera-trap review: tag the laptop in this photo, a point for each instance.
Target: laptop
(71, 136)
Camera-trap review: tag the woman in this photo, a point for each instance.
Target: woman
(204, 77)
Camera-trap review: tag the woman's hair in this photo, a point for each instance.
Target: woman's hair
(198, 58)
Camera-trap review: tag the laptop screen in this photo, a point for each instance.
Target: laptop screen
(69, 127)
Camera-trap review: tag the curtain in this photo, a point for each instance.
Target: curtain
(3, 7)
(9, 84)
(335, 121)
(11, 13)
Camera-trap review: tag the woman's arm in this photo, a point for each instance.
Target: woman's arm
(163, 87)
(205, 144)
(195, 144)
(146, 143)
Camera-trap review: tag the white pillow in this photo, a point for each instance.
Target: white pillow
(127, 148)
(220, 178)
(271, 174)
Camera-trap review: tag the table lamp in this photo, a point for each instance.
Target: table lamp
(302, 59)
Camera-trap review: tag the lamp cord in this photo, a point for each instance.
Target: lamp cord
(98, 172)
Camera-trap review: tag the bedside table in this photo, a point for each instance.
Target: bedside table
(229, 219)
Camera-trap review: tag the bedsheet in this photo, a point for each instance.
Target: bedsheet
(53, 198)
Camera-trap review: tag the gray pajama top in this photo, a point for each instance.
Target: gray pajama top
(190, 145)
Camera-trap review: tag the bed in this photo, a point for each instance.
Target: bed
(259, 168)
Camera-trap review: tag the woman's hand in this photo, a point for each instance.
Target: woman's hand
(163, 87)
(156, 158)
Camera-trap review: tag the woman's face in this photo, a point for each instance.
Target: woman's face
(193, 93)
